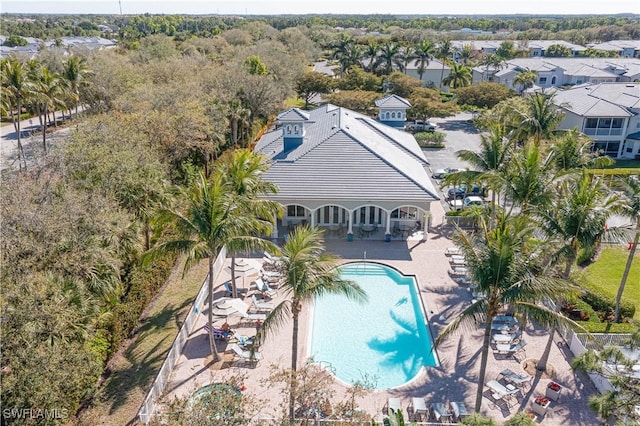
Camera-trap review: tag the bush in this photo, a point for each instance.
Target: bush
(607, 327)
(430, 139)
(605, 307)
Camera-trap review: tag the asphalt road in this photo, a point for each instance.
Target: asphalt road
(460, 134)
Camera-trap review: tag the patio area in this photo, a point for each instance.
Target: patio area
(453, 381)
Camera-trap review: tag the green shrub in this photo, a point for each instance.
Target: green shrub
(605, 306)
(607, 327)
(430, 139)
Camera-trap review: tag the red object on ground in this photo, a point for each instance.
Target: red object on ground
(630, 246)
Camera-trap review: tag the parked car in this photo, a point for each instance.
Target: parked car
(421, 126)
(440, 173)
(474, 200)
(461, 191)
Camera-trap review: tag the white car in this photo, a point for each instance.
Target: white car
(421, 126)
(466, 202)
(440, 173)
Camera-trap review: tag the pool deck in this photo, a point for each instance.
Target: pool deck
(456, 377)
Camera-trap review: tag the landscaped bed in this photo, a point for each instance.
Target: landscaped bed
(601, 280)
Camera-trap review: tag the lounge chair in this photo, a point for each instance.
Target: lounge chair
(510, 349)
(459, 410)
(506, 338)
(270, 274)
(229, 289)
(498, 388)
(450, 251)
(394, 404)
(440, 412)
(264, 288)
(261, 306)
(516, 379)
(419, 407)
(246, 356)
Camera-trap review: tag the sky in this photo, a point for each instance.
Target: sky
(283, 7)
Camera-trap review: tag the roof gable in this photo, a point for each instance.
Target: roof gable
(393, 101)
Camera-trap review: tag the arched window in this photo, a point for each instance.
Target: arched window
(393, 114)
(387, 115)
(408, 213)
(553, 80)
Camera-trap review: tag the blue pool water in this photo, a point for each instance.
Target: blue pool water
(385, 339)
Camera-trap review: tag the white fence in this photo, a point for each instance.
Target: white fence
(149, 405)
(580, 342)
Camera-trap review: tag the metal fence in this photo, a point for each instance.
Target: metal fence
(149, 405)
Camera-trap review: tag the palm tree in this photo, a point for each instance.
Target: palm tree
(575, 221)
(75, 73)
(389, 56)
(341, 48)
(459, 76)
(443, 53)
(630, 186)
(371, 52)
(571, 150)
(424, 51)
(49, 86)
(213, 217)
(493, 62)
(525, 78)
(242, 171)
(238, 117)
(465, 54)
(507, 265)
(489, 161)
(406, 55)
(309, 272)
(19, 87)
(540, 118)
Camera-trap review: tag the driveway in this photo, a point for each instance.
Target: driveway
(460, 134)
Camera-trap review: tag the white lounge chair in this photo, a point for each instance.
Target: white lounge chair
(246, 355)
(506, 338)
(264, 288)
(452, 251)
(270, 274)
(261, 306)
(394, 404)
(498, 388)
(459, 410)
(516, 379)
(510, 349)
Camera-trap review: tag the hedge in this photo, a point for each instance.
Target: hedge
(605, 305)
(607, 327)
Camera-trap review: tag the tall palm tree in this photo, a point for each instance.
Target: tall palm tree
(309, 272)
(508, 266)
(465, 54)
(50, 87)
(406, 55)
(525, 79)
(443, 53)
(213, 217)
(238, 117)
(242, 170)
(75, 72)
(19, 88)
(571, 150)
(489, 161)
(493, 62)
(575, 221)
(424, 52)
(389, 57)
(630, 186)
(371, 51)
(341, 48)
(540, 118)
(459, 76)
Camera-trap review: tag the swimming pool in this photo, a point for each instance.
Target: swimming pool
(385, 339)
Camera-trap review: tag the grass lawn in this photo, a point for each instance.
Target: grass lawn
(134, 367)
(605, 273)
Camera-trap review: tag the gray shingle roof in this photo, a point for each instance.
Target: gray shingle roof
(293, 115)
(348, 156)
(601, 100)
(393, 101)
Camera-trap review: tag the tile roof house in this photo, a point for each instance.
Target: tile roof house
(348, 173)
(624, 48)
(556, 72)
(609, 113)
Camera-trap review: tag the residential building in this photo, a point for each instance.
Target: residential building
(609, 113)
(535, 48)
(556, 72)
(393, 111)
(347, 173)
(624, 48)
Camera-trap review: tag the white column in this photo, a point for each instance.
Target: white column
(274, 233)
(312, 222)
(387, 229)
(350, 221)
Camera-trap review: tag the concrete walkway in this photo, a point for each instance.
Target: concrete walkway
(456, 377)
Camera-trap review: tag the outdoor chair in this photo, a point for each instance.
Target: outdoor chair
(394, 404)
(245, 355)
(419, 407)
(264, 288)
(516, 379)
(459, 410)
(229, 289)
(261, 306)
(510, 349)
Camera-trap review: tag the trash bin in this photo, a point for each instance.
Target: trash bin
(387, 238)
(350, 236)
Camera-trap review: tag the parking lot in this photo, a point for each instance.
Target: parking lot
(460, 134)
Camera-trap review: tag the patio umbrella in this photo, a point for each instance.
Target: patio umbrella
(243, 269)
(227, 306)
